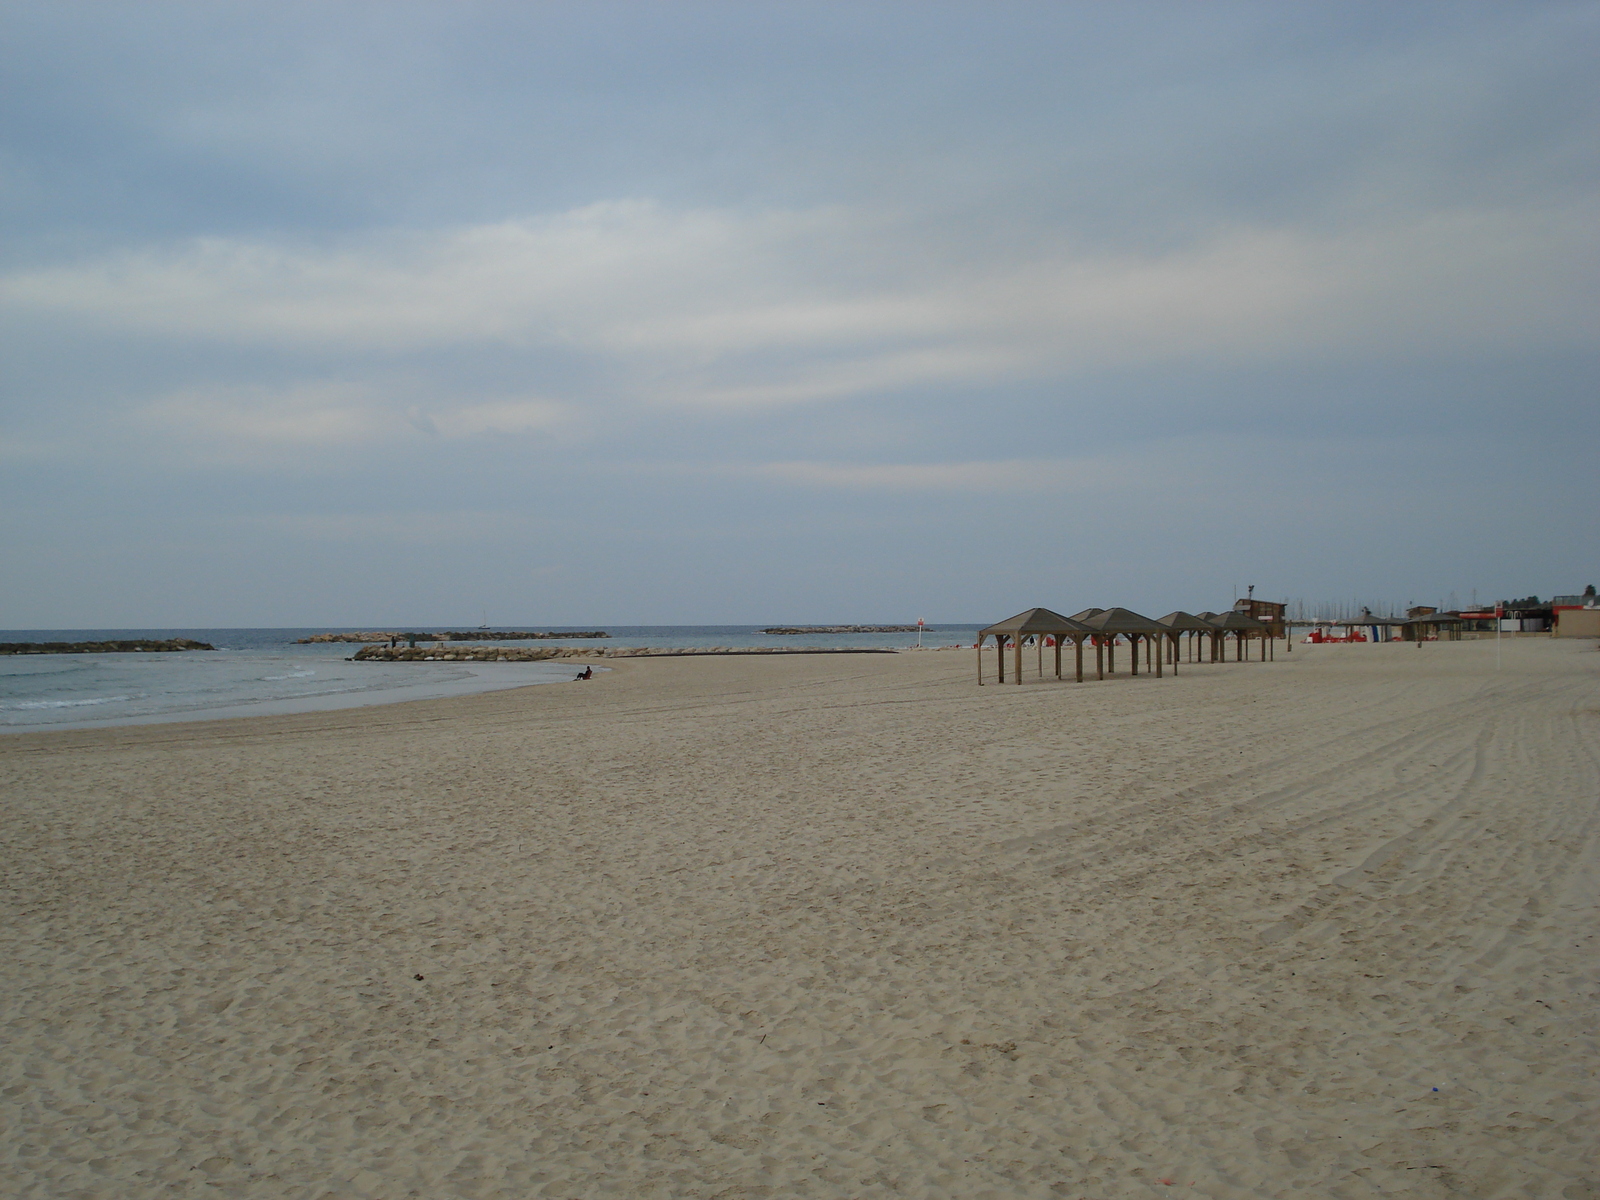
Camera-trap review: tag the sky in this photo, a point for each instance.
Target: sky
(352, 314)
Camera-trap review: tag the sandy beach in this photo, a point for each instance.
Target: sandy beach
(823, 927)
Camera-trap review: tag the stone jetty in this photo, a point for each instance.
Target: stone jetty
(449, 635)
(137, 645)
(791, 629)
(445, 636)
(444, 653)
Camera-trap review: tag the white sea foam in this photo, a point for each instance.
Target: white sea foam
(81, 691)
(38, 704)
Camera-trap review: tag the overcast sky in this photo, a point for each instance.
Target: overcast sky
(357, 314)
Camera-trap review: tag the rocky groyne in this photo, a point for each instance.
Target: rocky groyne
(448, 635)
(444, 653)
(794, 629)
(137, 645)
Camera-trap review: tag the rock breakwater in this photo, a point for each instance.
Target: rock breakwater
(448, 635)
(794, 629)
(444, 653)
(135, 646)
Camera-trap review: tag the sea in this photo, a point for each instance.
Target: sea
(255, 672)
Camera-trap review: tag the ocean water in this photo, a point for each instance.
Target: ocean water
(260, 671)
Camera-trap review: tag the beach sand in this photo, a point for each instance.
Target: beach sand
(824, 927)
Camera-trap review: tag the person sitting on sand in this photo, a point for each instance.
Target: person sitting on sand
(586, 673)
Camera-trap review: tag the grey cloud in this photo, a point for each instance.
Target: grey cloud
(818, 289)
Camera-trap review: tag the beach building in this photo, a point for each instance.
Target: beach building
(1529, 615)
(1576, 616)
(1578, 622)
(1269, 612)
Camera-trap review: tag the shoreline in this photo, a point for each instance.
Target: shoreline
(482, 678)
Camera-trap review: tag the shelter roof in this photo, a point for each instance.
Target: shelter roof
(1183, 620)
(1035, 620)
(1086, 614)
(1238, 621)
(1122, 620)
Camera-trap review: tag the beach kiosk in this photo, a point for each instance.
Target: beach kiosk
(1038, 623)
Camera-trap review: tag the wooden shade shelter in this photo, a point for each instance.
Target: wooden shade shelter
(1038, 623)
(1180, 623)
(1243, 628)
(1107, 623)
(1442, 625)
(1214, 621)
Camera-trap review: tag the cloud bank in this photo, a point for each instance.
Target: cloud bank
(722, 308)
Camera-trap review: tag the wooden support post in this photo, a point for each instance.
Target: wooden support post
(1099, 659)
(1077, 645)
(1000, 654)
(1058, 656)
(980, 659)
(1161, 651)
(1017, 642)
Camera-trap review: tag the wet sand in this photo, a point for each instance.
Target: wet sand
(822, 926)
